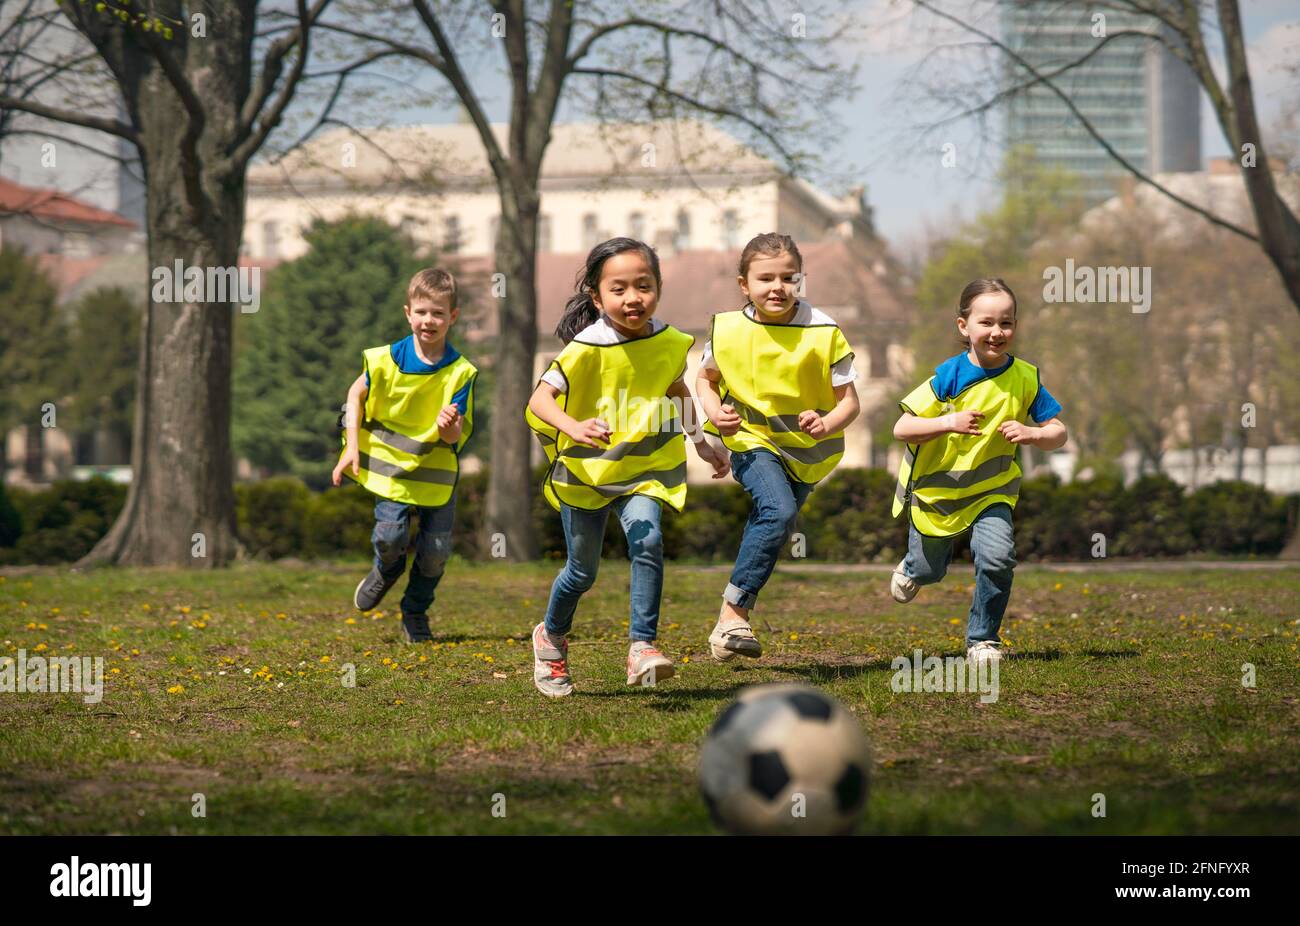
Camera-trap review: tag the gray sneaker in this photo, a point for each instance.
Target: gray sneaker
(550, 665)
(415, 627)
(371, 590)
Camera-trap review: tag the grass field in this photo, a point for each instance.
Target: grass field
(230, 685)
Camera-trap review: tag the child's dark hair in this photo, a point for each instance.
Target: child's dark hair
(976, 288)
(581, 309)
(768, 244)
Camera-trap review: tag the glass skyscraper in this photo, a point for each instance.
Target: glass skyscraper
(1142, 99)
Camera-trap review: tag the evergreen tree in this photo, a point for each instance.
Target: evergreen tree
(32, 343)
(100, 372)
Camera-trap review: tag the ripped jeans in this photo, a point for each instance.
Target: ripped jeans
(391, 537)
(584, 535)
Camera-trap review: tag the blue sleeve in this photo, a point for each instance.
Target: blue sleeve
(1045, 406)
(461, 398)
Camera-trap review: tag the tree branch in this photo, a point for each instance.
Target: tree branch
(252, 139)
(110, 126)
(1088, 126)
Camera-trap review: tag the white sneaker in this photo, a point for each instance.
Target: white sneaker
(901, 587)
(550, 665)
(984, 651)
(646, 665)
(734, 639)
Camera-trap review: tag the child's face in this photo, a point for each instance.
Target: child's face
(772, 284)
(431, 317)
(990, 326)
(628, 293)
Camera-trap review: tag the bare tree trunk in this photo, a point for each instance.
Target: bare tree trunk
(509, 499)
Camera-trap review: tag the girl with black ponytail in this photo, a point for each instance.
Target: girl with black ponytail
(610, 411)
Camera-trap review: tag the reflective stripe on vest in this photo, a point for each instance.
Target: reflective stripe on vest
(401, 456)
(946, 482)
(626, 384)
(770, 374)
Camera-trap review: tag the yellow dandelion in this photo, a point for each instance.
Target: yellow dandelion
(176, 689)
(324, 659)
(794, 636)
(350, 620)
(40, 647)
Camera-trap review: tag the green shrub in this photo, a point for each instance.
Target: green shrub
(62, 523)
(1237, 517)
(848, 518)
(11, 522)
(1155, 519)
(272, 517)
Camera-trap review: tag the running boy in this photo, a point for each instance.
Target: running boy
(417, 395)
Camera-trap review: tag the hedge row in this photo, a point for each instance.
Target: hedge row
(847, 519)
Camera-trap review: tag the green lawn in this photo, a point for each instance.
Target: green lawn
(229, 685)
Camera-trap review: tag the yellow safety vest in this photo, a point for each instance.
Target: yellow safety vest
(946, 482)
(771, 373)
(625, 384)
(402, 456)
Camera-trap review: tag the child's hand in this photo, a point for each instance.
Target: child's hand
(350, 458)
(1018, 433)
(727, 421)
(716, 457)
(812, 424)
(590, 431)
(966, 422)
(448, 417)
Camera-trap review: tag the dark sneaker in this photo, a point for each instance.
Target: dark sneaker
(371, 590)
(415, 627)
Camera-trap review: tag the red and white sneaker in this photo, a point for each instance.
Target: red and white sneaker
(550, 665)
(646, 665)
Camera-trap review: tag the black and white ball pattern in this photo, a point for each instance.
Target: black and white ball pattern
(785, 760)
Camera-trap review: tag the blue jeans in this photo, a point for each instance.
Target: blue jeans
(584, 535)
(432, 547)
(993, 547)
(776, 502)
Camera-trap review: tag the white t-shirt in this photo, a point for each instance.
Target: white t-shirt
(842, 373)
(602, 333)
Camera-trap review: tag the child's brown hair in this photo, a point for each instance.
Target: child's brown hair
(976, 288)
(430, 282)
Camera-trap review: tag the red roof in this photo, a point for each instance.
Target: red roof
(53, 206)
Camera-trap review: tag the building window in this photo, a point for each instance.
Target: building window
(636, 226)
(730, 230)
(270, 240)
(590, 233)
(544, 233)
(682, 236)
(451, 235)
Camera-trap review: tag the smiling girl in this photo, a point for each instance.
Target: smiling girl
(963, 428)
(618, 363)
(776, 381)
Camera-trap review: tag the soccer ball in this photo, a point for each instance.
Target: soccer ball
(785, 760)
